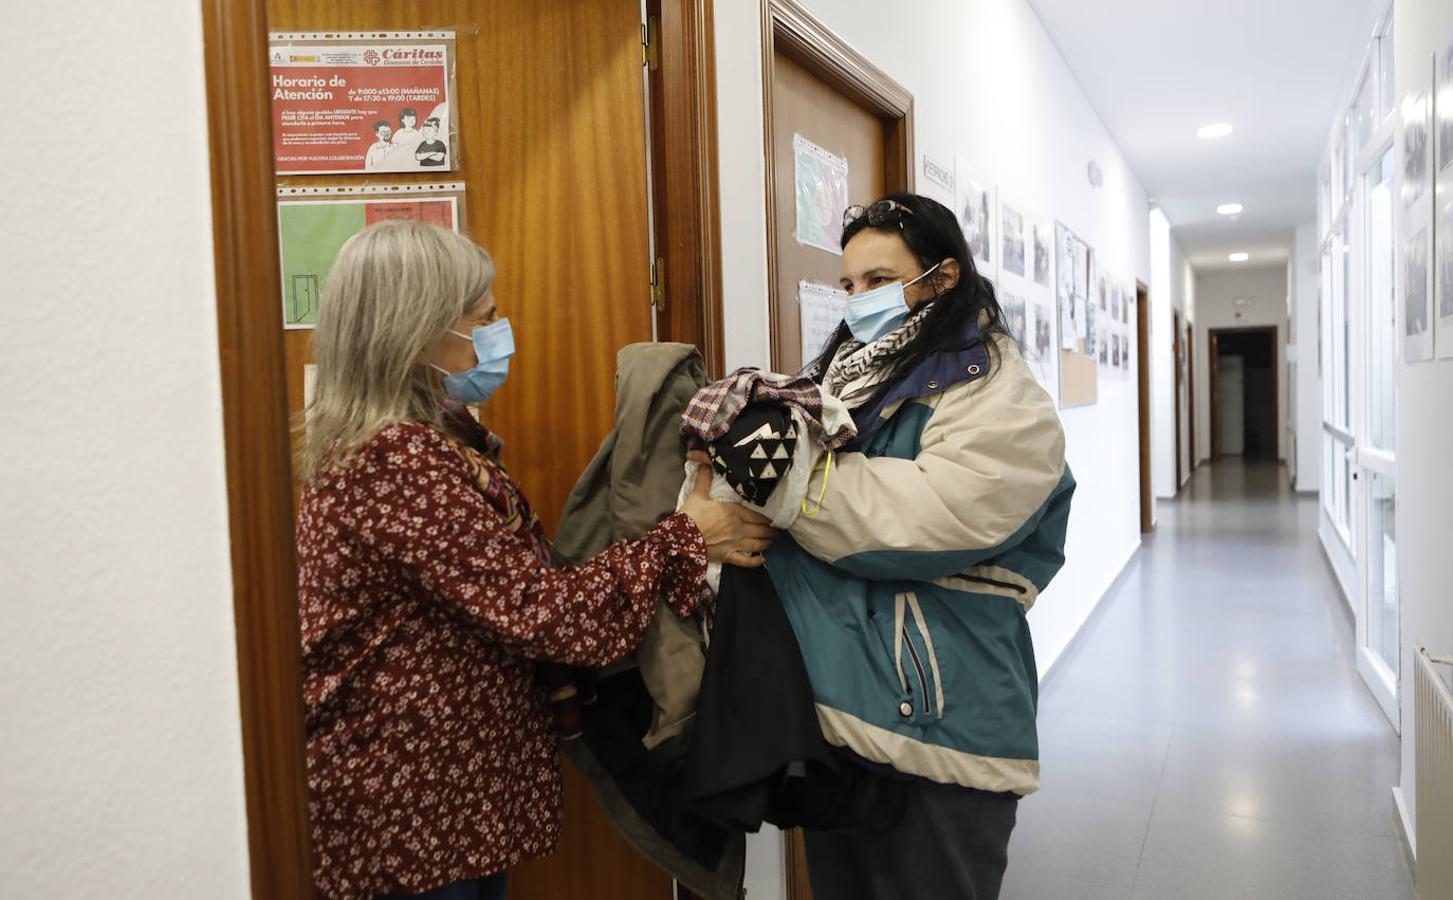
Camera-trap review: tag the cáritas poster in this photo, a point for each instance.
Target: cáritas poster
(349, 106)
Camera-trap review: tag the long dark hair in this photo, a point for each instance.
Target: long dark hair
(932, 234)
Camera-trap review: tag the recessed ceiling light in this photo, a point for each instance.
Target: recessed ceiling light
(1216, 130)
(1229, 209)
(1239, 257)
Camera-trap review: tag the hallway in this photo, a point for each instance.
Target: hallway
(1209, 736)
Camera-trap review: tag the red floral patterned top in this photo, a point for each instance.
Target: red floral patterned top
(431, 756)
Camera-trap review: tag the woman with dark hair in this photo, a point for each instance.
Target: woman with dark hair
(921, 547)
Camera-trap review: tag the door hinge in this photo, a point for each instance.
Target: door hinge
(651, 44)
(658, 284)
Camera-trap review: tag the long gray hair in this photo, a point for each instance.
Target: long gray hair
(396, 289)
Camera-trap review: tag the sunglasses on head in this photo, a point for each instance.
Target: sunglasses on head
(883, 212)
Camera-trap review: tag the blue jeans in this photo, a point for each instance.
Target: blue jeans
(491, 887)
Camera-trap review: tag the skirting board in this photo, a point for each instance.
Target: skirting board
(1406, 830)
(1094, 615)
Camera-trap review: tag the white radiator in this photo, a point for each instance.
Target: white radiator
(1433, 765)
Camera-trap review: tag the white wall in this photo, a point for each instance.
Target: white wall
(1172, 287)
(121, 767)
(1215, 293)
(1304, 288)
(1424, 432)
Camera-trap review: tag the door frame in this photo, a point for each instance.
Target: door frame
(1214, 362)
(254, 386)
(1179, 362)
(685, 183)
(1142, 343)
(789, 28)
(1192, 457)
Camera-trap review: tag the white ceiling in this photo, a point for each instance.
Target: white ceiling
(1156, 70)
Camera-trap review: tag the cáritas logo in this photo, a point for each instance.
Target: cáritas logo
(371, 56)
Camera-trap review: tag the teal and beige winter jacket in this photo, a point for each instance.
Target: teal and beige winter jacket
(908, 588)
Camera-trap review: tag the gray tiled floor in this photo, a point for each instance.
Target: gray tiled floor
(1209, 736)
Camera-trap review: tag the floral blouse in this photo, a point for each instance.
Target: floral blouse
(431, 757)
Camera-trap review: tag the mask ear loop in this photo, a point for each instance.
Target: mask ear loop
(827, 473)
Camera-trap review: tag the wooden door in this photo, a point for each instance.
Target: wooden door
(551, 112)
(819, 88)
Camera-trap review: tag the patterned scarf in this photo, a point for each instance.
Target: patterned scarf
(857, 367)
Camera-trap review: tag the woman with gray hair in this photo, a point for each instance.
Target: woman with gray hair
(427, 596)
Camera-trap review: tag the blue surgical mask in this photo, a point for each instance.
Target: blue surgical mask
(494, 344)
(872, 314)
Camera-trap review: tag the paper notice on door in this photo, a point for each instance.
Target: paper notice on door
(310, 383)
(822, 310)
(822, 195)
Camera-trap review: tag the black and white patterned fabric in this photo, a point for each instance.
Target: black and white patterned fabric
(756, 453)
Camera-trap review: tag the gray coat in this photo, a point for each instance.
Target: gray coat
(633, 483)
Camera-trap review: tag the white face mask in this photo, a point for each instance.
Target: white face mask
(872, 314)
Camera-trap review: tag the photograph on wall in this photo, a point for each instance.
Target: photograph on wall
(1076, 365)
(1444, 271)
(1041, 254)
(1041, 352)
(1071, 310)
(1012, 224)
(347, 106)
(1444, 106)
(822, 194)
(1417, 310)
(975, 210)
(1015, 316)
(1116, 299)
(1415, 147)
(313, 228)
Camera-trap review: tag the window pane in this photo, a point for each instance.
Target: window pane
(1324, 205)
(1339, 191)
(1388, 79)
(1353, 148)
(1344, 342)
(1382, 579)
(1364, 113)
(1382, 307)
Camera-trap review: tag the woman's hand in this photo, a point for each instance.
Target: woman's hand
(733, 533)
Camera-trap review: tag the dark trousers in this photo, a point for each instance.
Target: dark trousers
(952, 842)
(491, 887)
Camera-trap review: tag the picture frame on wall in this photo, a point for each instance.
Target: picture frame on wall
(974, 207)
(1442, 262)
(1415, 117)
(1418, 259)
